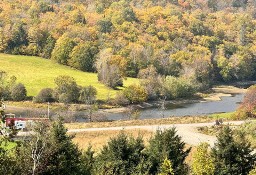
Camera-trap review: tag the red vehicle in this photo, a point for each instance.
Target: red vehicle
(20, 123)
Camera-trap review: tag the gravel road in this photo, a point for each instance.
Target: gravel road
(188, 132)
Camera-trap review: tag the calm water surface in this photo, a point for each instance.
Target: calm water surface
(227, 104)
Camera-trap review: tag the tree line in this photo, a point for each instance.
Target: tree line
(152, 86)
(208, 41)
(49, 150)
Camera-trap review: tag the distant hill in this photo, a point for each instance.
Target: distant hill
(209, 41)
(37, 73)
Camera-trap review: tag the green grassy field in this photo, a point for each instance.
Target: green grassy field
(37, 73)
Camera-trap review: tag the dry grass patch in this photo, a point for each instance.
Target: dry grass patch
(171, 120)
(99, 138)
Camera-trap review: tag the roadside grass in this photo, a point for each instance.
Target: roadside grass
(37, 73)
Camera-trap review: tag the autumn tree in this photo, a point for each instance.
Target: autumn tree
(203, 163)
(151, 81)
(109, 72)
(135, 93)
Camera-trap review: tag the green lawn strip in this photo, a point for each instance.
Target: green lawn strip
(227, 115)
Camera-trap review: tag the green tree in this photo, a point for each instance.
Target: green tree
(178, 87)
(105, 25)
(48, 47)
(62, 50)
(167, 145)
(18, 92)
(121, 155)
(82, 57)
(67, 90)
(203, 163)
(64, 157)
(87, 161)
(232, 156)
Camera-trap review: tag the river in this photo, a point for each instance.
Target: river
(226, 104)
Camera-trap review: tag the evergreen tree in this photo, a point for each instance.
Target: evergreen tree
(232, 156)
(65, 156)
(167, 144)
(121, 155)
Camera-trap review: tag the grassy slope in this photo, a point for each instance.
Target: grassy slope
(37, 73)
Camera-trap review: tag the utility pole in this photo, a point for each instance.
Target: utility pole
(48, 111)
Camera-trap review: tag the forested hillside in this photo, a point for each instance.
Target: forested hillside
(205, 41)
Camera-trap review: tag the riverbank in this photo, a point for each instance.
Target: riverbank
(161, 121)
(222, 91)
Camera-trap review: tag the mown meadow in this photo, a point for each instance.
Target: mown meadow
(37, 73)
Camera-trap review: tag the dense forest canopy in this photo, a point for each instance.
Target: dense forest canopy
(207, 40)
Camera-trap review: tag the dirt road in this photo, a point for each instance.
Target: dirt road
(188, 132)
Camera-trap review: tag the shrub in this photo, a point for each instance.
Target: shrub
(88, 94)
(18, 92)
(135, 94)
(120, 99)
(45, 95)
